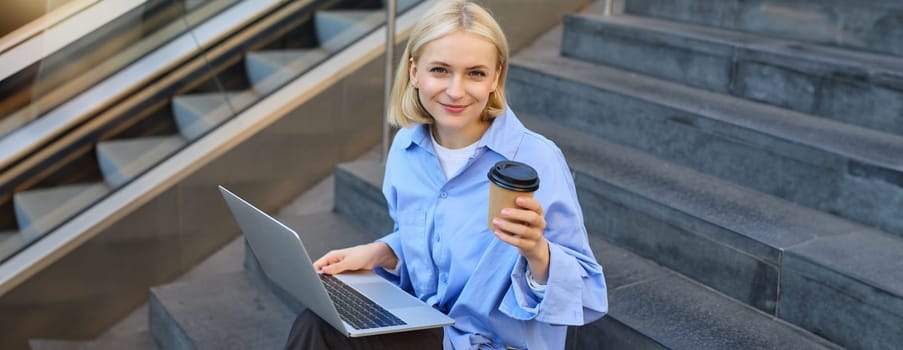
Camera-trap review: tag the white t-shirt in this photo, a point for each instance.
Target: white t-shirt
(453, 160)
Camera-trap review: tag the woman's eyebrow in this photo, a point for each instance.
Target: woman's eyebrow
(443, 64)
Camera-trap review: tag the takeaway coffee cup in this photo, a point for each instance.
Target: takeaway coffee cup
(508, 180)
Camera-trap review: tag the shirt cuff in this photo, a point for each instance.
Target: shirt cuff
(539, 290)
(394, 243)
(394, 270)
(520, 302)
(562, 302)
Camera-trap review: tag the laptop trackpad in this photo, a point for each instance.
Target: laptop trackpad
(387, 295)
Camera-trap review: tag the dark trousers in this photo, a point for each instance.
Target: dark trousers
(309, 332)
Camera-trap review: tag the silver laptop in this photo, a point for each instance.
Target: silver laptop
(357, 304)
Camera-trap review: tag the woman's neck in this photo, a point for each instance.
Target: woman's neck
(459, 138)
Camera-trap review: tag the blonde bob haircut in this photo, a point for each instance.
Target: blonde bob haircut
(446, 17)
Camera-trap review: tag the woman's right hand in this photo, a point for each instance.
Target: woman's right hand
(365, 256)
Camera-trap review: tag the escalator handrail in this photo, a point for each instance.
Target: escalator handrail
(55, 37)
(31, 136)
(38, 25)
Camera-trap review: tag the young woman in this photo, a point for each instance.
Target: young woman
(516, 286)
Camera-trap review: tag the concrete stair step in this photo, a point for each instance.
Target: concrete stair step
(655, 308)
(862, 25)
(144, 342)
(854, 172)
(39, 211)
(853, 87)
(338, 28)
(694, 316)
(198, 113)
(758, 249)
(122, 160)
(358, 194)
(268, 70)
(223, 312)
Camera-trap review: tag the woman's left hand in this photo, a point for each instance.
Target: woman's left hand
(523, 228)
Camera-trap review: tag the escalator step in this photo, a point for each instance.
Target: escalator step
(268, 70)
(122, 160)
(38, 211)
(198, 113)
(338, 28)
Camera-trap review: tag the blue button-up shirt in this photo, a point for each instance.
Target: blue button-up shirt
(449, 258)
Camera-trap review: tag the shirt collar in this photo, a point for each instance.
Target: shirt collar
(503, 136)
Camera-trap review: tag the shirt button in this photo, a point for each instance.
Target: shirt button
(444, 278)
(443, 194)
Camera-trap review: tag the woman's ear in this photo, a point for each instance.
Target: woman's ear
(412, 72)
(498, 74)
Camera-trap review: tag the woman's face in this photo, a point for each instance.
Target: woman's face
(454, 76)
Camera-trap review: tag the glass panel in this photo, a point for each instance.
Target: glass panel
(227, 69)
(56, 76)
(108, 144)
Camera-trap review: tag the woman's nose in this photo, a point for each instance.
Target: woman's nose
(455, 88)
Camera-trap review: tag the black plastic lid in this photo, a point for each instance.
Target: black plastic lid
(514, 176)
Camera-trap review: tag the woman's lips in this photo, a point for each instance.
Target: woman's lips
(453, 108)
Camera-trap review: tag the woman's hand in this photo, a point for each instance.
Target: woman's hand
(365, 256)
(522, 227)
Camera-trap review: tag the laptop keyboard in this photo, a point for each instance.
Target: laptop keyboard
(356, 309)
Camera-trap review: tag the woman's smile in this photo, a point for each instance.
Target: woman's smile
(453, 108)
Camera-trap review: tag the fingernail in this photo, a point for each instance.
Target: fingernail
(496, 221)
(506, 212)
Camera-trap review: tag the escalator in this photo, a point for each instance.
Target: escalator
(85, 121)
(50, 181)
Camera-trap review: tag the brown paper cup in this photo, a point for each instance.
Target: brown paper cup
(508, 180)
(500, 198)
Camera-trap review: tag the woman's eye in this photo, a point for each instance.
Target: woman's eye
(477, 73)
(438, 70)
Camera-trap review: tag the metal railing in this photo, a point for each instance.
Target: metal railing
(390, 60)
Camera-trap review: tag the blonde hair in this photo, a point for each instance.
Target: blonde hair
(446, 17)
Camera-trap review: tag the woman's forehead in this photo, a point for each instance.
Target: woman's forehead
(460, 48)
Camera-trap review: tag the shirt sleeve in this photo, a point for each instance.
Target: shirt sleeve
(575, 292)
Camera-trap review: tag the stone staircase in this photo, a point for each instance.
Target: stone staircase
(765, 169)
